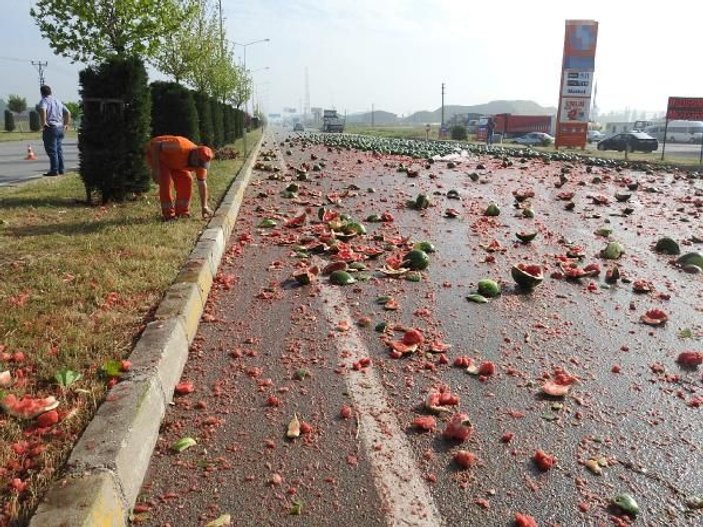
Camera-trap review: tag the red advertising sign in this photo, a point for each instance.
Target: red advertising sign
(580, 40)
(685, 108)
(578, 65)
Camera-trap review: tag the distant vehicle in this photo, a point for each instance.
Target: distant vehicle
(630, 142)
(332, 122)
(508, 125)
(298, 127)
(535, 139)
(595, 135)
(640, 126)
(677, 131)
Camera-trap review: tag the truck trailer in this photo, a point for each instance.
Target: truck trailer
(332, 122)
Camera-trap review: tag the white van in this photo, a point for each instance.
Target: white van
(677, 131)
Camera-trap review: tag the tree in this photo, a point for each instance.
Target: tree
(206, 32)
(232, 83)
(101, 29)
(75, 109)
(16, 104)
(182, 50)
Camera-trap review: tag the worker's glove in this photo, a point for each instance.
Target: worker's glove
(206, 212)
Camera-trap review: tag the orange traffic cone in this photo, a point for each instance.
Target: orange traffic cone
(30, 154)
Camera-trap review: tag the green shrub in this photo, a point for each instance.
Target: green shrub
(9, 121)
(34, 121)
(238, 123)
(115, 128)
(459, 133)
(218, 123)
(173, 111)
(204, 108)
(227, 124)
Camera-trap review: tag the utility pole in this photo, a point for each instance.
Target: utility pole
(372, 111)
(306, 109)
(442, 124)
(40, 65)
(222, 34)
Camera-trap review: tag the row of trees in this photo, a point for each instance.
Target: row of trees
(17, 105)
(180, 38)
(34, 122)
(116, 38)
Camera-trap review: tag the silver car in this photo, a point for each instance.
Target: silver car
(535, 139)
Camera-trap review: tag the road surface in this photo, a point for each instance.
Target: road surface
(15, 169)
(270, 349)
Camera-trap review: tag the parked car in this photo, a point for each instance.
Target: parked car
(595, 135)
(535, 139)
(629, 141)
(298, 127)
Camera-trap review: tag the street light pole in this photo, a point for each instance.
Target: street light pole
(246, 102)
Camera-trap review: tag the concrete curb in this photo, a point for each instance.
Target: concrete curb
(107, 466)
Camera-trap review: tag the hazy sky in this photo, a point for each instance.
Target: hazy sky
(395, 54)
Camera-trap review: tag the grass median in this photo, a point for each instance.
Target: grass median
(77, 285)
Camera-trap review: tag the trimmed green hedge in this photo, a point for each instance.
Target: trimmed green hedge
(9, 121)
(205, 124)
(34, 121)
(115, 128)
(173, 111)
(218, 122)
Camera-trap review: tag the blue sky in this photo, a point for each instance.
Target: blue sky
(394, 54)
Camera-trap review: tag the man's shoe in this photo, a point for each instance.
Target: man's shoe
(50, 174)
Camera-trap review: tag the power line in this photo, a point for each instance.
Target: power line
(13, 59)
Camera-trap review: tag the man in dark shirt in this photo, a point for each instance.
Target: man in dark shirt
(54, 117)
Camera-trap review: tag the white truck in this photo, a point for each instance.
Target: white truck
(332, 122)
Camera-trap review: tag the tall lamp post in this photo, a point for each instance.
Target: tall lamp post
(246, 103)
(254, 98)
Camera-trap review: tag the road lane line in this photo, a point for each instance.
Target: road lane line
(400, 485)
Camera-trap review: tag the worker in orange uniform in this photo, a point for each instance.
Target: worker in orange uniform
(172, 159)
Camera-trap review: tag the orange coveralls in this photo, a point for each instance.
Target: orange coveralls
(172, 159)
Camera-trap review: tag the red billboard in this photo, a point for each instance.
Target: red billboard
(685, 109)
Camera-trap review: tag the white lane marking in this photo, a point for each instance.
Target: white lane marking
(398, 481)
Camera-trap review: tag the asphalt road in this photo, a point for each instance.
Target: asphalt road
(678, 150)
(269, 348)
(15, 169)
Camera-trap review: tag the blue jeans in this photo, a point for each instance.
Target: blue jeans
(53, 139)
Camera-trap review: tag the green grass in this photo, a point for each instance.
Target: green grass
(77, 285)
(6, 136)
(403, 132)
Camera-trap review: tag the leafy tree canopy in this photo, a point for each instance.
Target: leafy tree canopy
(97, 30)
(182, 50)
(16, 104)
(75, 109)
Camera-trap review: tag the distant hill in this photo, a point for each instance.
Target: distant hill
(379, 117)
(491, 108)
(423, 117)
